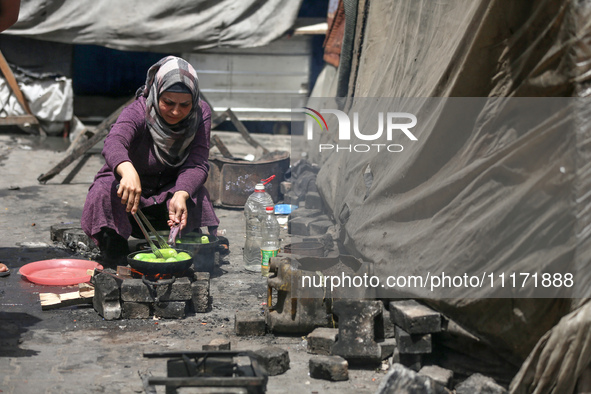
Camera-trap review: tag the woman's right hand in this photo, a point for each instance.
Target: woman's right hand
(130, 187)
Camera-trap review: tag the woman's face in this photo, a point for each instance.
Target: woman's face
(175, 107)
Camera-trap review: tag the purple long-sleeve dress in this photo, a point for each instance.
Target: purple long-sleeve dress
(130, 140)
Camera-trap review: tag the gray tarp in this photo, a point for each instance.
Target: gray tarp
(157, 26)
(517, 198)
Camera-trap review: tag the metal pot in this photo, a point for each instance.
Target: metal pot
(203, 254)
(173, 268)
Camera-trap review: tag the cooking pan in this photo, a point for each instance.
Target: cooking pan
(175, 268)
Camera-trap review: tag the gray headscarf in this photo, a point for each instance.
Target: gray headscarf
(170, 142)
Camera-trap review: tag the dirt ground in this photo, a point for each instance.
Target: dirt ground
(74, 350)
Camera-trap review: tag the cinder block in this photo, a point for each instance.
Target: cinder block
(320, 227)
(291, 198)
(313, 201)
(387, 347)
(180, 290)
(412, 361)
(135, 310)
(321, 340)
(200, 292)
(478, 383)
(109, 310)
(106, 288)
(440, 375)
(217, 344)
(356, 339)
(134, 290)
(300, 225)
(415, 318)
(274, 359)
(77, 239)
(412, 343)
(303, 212)
(249, 323)
(334, 368)
(56, 232)
(170, 310)
(388, 325)
(403, 380)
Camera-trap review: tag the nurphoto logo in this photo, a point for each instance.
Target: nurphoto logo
(397, 123)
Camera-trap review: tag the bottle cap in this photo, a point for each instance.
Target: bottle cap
(259, 187)
(270, 209)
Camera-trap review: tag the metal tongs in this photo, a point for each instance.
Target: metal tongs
(161, 241)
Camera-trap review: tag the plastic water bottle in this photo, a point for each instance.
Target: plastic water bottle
(270, 244)
(254, 214)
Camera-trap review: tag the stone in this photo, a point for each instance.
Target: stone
(356, 338)
(285, 187)
(134, 290)
(413, 344)
(106, 288)
(401, 380)
(388, 325)
(321, 340)
(179, 290)
(200, 292)
(273, 359)
(135, 310)
(77, 239)
(313, 201)
(320, 227)
(334, 368)
(387, 347)
(291, 198)
(109, 310)
(415, 318)
(170, 309)
(440, 375)
(303, 212)
(478, 383)
(300, 225)
(249, 323)
(411, 361)
(56, 232)
(217, 344)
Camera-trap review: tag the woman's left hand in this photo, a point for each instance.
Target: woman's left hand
(177, 209)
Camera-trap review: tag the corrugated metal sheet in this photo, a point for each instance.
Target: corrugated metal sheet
(257, 83)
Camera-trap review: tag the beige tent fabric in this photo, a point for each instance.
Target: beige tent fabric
(516, 198)
(157, 26)
(559, 358)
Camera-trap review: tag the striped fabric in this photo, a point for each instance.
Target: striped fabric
(170, 142)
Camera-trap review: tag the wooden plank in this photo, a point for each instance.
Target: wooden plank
(86, 290)
(101, 132)
(219, 119)
(9, 76)
(54, 301)
(11, 80)
(221, 146)
(244, 131)
(82, 136)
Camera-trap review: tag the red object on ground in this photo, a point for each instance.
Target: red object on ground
(59, 272)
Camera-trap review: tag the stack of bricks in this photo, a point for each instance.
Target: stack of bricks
(306, 221)
(413, 325)
(309, 218)
(363, 338)
(133, 299)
